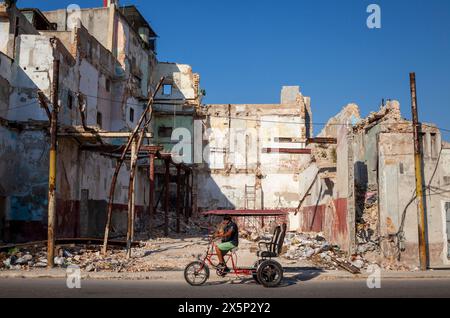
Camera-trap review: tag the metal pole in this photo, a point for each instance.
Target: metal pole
(52, 168)
(419, 173)
(166, 198)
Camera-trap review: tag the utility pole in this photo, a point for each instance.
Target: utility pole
(52, 168)
(419, 173)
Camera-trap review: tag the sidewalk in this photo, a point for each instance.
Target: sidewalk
(174, 276)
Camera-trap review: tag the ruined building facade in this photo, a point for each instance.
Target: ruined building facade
(108, 72)
(354, 182)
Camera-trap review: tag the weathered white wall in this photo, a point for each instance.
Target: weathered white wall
(89, 76)
(182, 79)
(33, 73)
(397, 189)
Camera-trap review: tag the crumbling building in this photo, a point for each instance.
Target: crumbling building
(107, 73)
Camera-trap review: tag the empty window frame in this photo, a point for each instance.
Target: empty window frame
(167, 89)
(70, 100)
(165, 132)
(99, 119)
(108, 85)
(131, 114)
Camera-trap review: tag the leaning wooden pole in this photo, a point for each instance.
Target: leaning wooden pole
(423, 257)
(131, 189)
(120, 163)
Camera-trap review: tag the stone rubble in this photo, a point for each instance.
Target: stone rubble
(90, 259)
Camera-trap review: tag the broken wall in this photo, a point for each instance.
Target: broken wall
(325, 188)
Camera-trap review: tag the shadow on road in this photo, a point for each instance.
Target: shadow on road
(292, 276)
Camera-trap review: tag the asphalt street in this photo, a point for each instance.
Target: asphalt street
(57, 288)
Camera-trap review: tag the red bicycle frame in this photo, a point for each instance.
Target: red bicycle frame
(229, 256)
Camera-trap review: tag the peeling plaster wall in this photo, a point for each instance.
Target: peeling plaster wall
(24, 182)
(397, 187)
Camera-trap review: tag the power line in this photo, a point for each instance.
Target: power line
(447, 130)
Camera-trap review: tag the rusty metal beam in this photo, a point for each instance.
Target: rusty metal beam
(287, 151)
(322, 140)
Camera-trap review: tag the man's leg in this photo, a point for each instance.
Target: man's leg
(220, 256)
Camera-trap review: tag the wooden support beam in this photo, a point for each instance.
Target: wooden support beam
(179, 198)
(106, 135)
(186, 195)
(166, 197)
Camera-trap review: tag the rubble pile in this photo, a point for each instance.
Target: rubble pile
(389, 113)
(314, 247)
(367, 220)
(148, 255)
(88, 258)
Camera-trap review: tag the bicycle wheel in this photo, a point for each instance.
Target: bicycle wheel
(270, 274)
(196, 273)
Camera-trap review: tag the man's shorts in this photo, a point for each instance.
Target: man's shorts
(226, 247)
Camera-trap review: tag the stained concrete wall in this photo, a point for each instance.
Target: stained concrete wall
(83, 177)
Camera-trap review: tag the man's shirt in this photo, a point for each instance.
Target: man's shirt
(234, 238)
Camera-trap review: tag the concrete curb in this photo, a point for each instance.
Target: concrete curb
(177, 275)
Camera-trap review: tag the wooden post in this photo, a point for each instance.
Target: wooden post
(52, 168)
(166, 197)
(131, 197)
(419, 180)
(179, 199)
(151, 176)
(186, 195)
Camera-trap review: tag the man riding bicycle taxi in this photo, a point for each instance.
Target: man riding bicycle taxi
(230, 241)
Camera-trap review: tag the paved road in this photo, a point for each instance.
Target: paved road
(54, 288)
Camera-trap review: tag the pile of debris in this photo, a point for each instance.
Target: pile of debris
(88, 258)
(314, 247)
(156, 253)
(367, 234)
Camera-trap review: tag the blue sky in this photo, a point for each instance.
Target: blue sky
(246, 50)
